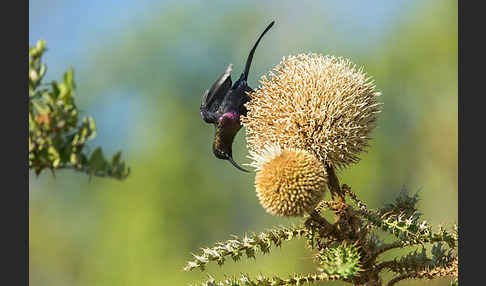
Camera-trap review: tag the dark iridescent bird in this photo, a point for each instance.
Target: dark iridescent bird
(223, 104)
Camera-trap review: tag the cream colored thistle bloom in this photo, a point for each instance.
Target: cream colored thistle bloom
(288, 182)
(320, 104)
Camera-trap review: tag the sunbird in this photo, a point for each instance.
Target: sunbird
(224, 103)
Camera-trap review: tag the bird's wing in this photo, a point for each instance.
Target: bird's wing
(213, 97)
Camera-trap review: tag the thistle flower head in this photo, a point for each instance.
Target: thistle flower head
(317, 103)
(288, 182)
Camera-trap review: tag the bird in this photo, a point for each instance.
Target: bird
(224, 103)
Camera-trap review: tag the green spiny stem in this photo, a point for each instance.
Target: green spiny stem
(385, 248)
(349, 227)
(296, 279)
(248, 245)
(441, 271)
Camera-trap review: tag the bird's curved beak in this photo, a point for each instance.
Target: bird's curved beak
(236, 165)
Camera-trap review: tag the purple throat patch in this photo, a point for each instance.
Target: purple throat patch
(229, 115)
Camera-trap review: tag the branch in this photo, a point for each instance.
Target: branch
(248, 245)
(402, 220)
(418, 261)
(449, 270)
(296, 279)
(408, 229)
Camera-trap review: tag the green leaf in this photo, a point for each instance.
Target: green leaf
(96, 160)
(116, 159)
(69, 78)
(54, 156)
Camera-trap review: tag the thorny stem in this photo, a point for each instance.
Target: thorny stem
(333, 184)
(383, 265)
(320, 220)
(385, 248)
(317, 224)
(347, 227)
(449, 270)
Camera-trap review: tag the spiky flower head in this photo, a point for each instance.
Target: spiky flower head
(321, 104)
(288, 182)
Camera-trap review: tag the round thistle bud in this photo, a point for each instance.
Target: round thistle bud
(318, 103)
(288, 182)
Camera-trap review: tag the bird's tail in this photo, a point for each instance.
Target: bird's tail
(244, 75)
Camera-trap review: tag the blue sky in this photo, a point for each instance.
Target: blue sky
(74, 29)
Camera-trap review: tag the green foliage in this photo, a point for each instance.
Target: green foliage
(56, 140)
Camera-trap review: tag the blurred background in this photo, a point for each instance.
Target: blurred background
(141, 68)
